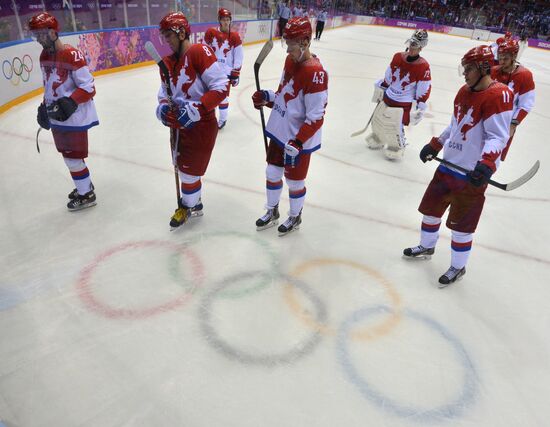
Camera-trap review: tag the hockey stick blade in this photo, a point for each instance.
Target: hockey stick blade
(263, 53)
(152, 51)
(38, 133)
(506, 187)
(359, 132)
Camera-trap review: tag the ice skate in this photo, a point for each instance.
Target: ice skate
(418, 252)
(74, 194)
(180, 217)
(373, 142)
(290, 225)
(270, 219)
(394, 153)
(196, 210)
(221, 123)
(451, 276)
(82, 202)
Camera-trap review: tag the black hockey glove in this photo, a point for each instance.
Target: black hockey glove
(42, 117)
(480, 175)
(428, 153)
(62, 109)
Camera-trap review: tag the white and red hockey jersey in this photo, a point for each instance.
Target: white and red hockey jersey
(407, 81)
(480, 126)
(228, 48)
(66, 73)
(197, 77)
(520, 81)
(299, 104)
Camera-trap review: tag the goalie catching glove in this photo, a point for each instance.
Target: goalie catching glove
(61, 109)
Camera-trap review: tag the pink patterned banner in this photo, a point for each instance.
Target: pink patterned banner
(117, 48)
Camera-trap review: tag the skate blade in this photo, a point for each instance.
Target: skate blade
(80, 208)
(195, 214)
(270, 225)
(417, 258)
(288, 232)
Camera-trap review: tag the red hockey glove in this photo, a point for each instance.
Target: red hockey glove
(234, 77)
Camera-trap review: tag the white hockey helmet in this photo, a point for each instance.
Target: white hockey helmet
(418, 39)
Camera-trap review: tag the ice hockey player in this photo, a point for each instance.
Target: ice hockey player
(198, 85)
(407, 80)
(474, 140)
(68, 107)
(520, 81)
(494, 46)
(228, 48)
(523, 44)
(294, 126)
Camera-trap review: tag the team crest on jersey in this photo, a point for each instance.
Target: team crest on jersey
(465, 122)
(288, 91)
(401, 82)
(224, 47)
(55, 77)
(186, 77)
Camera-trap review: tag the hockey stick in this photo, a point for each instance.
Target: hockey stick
(359, 132)
(259, 60)
(506, 187)
(152, 51)
(38, 133)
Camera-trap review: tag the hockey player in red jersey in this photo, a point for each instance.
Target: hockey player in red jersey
(474, 140)
(407, 80)
(228, 48)
(294, 126)
(198, 85)
(520, 81)
(68, 107)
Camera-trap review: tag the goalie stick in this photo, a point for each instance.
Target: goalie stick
(506, 187)
(259, 60)
(359, 132)
(152, 51)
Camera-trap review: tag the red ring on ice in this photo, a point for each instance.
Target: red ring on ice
(86, 293)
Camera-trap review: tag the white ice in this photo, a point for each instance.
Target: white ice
(109, 319)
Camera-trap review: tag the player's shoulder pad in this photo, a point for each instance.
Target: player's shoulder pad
(235, 38)
(73, 56)
(312, 73)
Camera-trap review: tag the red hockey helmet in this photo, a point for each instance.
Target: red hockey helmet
(297, 29)
(509, 46)
(500, 40)
(224, 13)
(482, 56)
(507, 35)
(175, 21)
(43, 21)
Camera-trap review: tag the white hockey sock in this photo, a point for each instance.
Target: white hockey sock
(429, 231)
(297, 195)
(461, 246)
(274, 185)
(224, 110)
(80, 174)
(190, 189)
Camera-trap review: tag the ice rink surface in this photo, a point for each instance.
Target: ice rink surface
(109, 319)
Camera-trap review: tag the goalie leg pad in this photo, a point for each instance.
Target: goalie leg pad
(387, 125)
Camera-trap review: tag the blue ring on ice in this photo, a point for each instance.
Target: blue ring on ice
(453, 409)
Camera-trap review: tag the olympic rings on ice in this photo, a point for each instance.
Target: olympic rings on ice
(18, 69)
(264, 246)
(366, 334)
(452, 409)
(231, 351)
(86, 290)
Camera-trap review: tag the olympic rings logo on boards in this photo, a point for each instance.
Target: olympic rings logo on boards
(18, 69)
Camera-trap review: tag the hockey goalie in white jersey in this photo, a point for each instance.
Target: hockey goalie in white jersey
(407, 81)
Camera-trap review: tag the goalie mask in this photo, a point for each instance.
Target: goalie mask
(418, 40)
